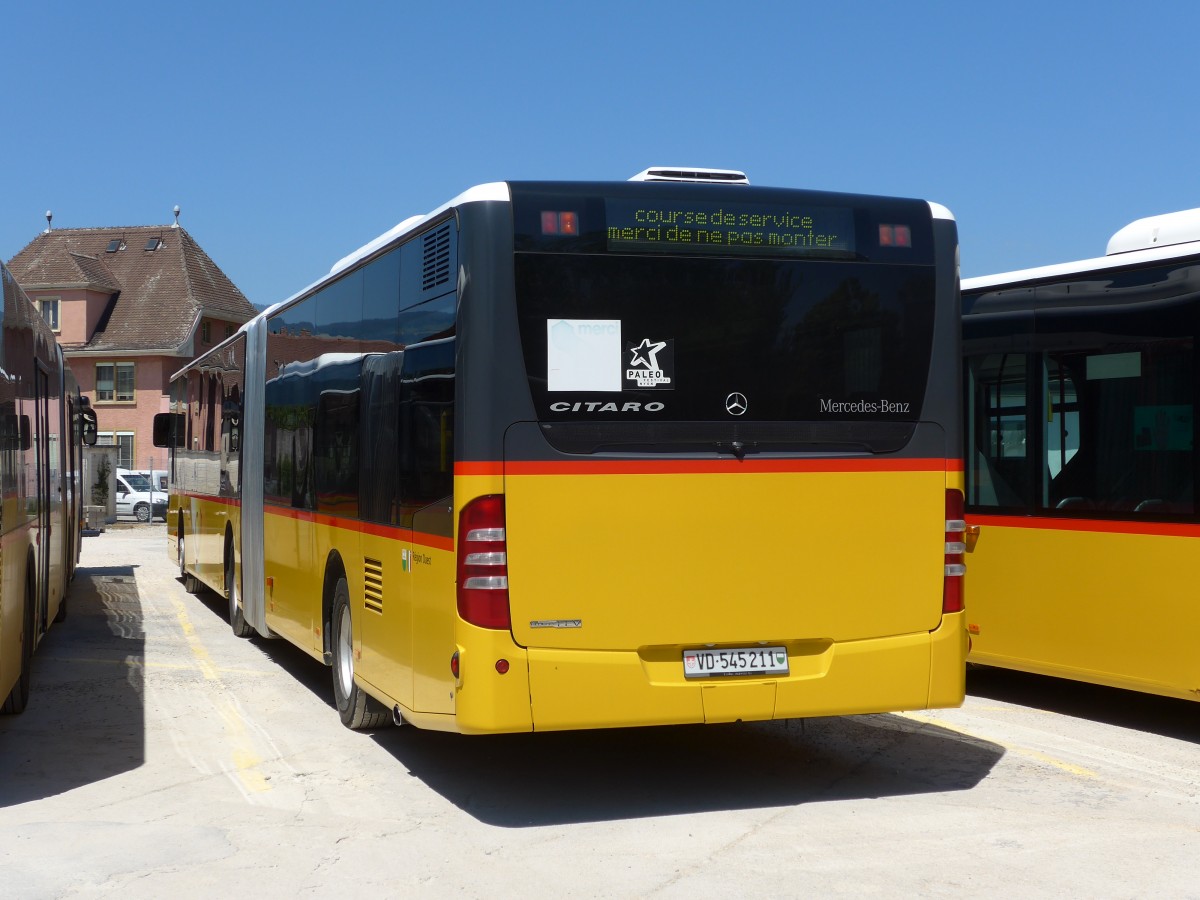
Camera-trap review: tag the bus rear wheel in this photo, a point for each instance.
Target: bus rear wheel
(355, 707)
(237, 619)
(18, 697)
(190, 582)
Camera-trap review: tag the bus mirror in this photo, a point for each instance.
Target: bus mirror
(90, 426)
(166, 427)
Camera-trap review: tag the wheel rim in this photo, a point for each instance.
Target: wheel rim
(181, 572)
(345, 660)
(142, 513)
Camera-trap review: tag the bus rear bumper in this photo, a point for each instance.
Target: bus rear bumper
(608, 689)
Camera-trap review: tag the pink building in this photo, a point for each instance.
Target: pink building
(130, 307)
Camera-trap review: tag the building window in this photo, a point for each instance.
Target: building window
(114, 382)
(123, 441)
(206, 332)
(228, 329)
(125, 450)
(49, 307)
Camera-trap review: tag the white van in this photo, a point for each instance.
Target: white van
(158, 478)
(137, 497)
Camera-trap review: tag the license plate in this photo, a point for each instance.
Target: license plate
(735, 661)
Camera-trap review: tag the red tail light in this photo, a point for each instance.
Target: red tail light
(483, 563)
(952, 584)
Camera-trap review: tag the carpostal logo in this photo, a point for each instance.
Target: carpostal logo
(609, 406)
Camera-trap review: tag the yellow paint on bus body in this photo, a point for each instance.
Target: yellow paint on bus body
(1103, 606)
(843, 569)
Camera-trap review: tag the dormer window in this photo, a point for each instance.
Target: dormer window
(49, 307)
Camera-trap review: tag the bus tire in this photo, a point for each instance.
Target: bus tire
(190, 583)
(18, 697)
(356, 709)
(237, 620)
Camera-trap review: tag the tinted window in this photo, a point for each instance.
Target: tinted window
(356, 424)
(1091, 411)
(670, 340)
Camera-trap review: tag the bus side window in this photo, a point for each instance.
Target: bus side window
(379, 501)
(998, 464)
(1067, 485)
(1119, 428)
(427, 424)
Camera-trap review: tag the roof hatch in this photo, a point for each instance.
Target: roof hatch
(693, 175)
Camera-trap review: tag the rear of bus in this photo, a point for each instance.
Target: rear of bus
(708, 457)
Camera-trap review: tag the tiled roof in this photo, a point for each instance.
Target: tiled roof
(159, 293)
(95, 274)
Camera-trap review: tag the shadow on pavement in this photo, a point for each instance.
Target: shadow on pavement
(555, 778)
(85, 719)
(516, 781)
(1165, 716)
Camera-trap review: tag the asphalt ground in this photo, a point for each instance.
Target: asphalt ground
(162, 757)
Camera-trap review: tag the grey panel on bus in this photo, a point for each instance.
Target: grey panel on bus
(253, 565)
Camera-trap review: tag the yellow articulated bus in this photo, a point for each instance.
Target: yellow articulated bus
(44, 422)
(1081, 463)
(579, 455)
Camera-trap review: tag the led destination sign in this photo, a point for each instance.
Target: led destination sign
(729, 228)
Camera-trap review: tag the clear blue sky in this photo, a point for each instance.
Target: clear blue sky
(292, 133)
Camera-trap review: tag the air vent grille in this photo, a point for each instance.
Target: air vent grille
(373, 584)
(436, 270)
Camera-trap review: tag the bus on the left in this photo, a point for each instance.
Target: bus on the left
(44, 423)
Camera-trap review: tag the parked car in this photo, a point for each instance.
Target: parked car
(158, 478)
(136, 497)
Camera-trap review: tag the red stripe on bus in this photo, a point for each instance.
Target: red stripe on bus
(1096, 526)
(209, 498)
(704, 466)
(393, 532)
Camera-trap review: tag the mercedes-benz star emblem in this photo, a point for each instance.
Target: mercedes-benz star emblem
(735, 404)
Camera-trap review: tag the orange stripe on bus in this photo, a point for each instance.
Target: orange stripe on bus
(210, 498)
(1096, 526)
(394, 532)
(704, 466)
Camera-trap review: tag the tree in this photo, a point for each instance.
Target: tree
(100, 488)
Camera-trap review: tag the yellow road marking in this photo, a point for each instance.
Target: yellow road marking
(245, 759)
